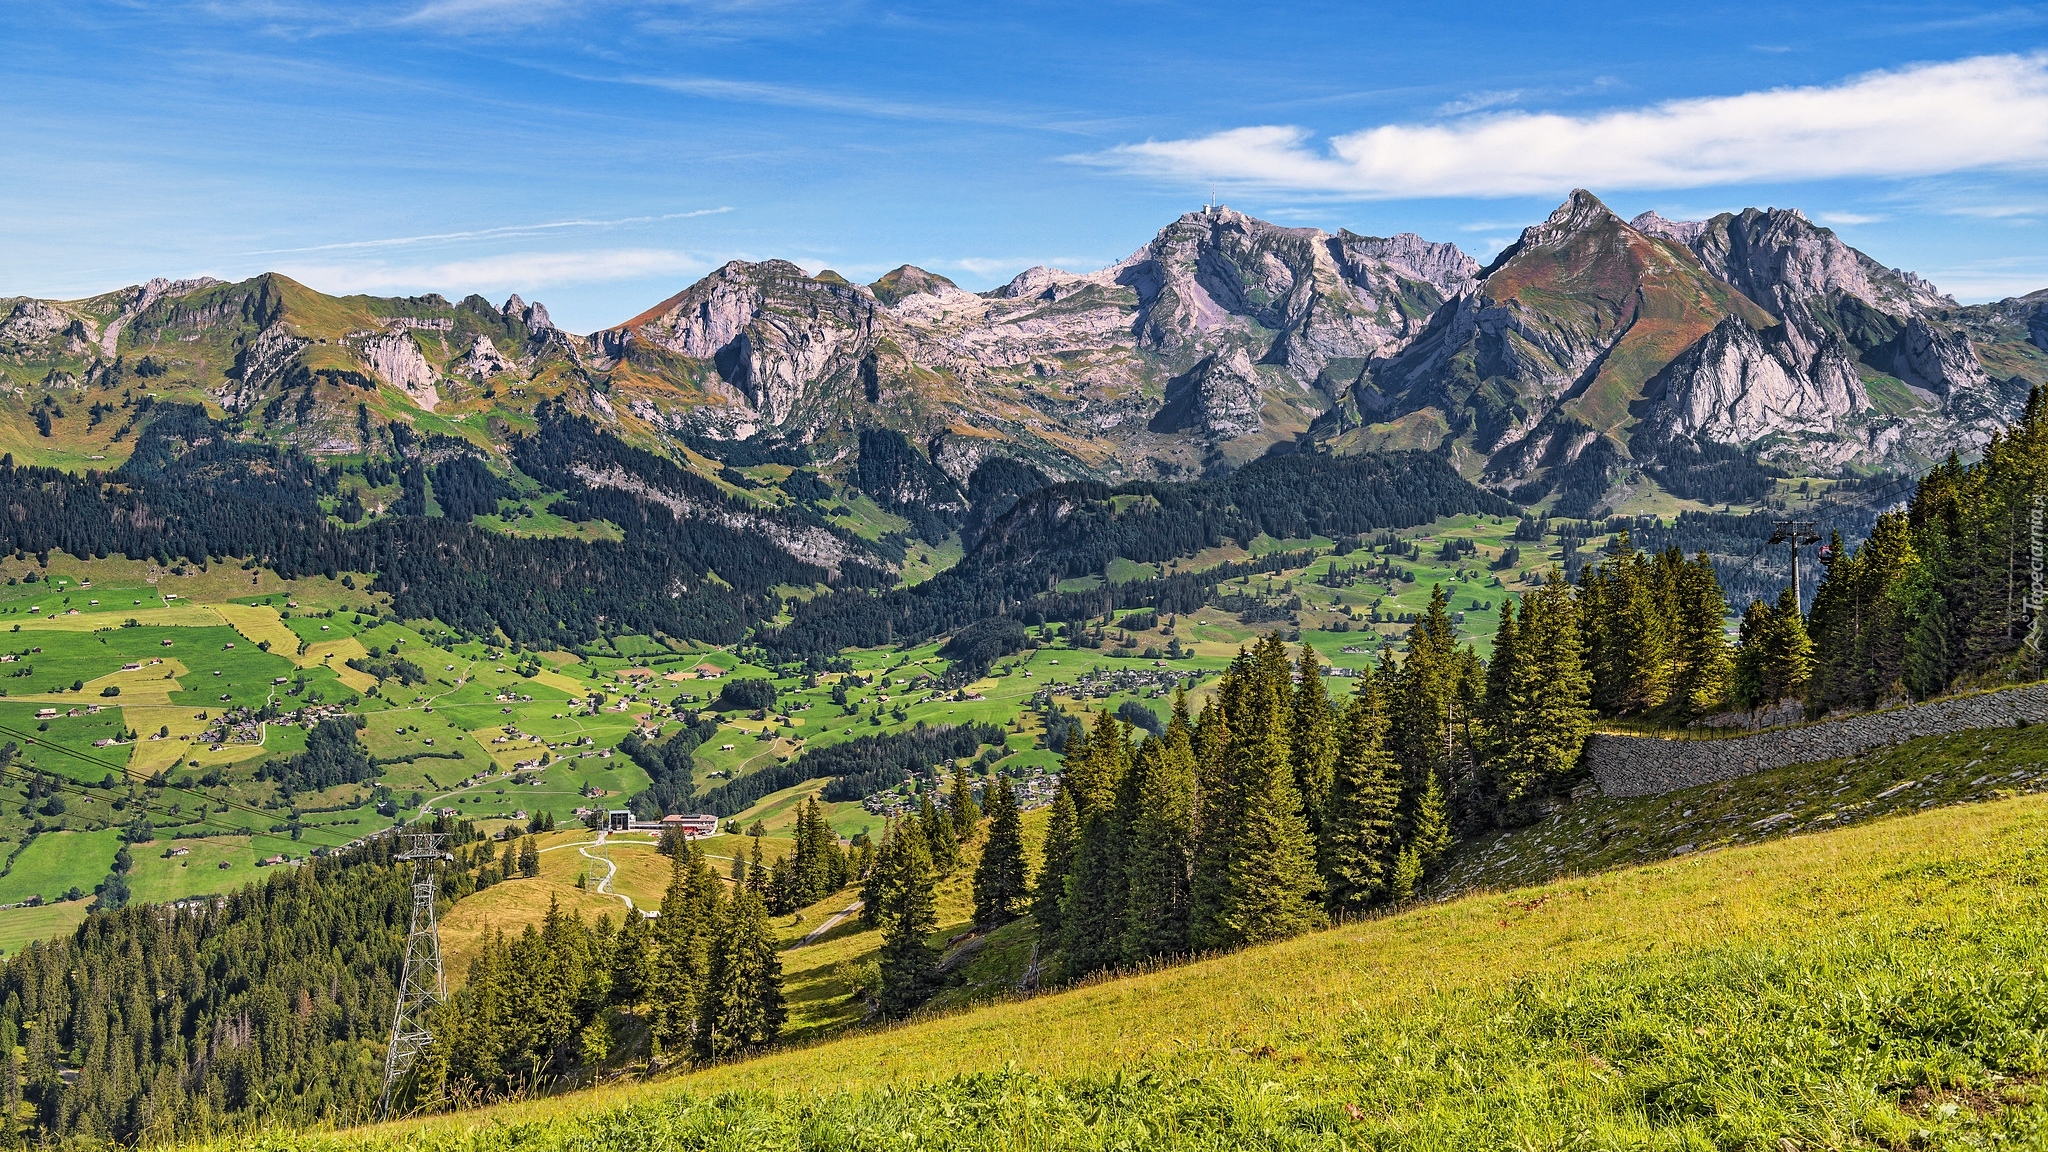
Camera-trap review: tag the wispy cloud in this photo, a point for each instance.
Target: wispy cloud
(1848, 219)
(1993, 279)
(2027, 211)
(519, 271)
(829, 100)
(1983, 112)
(507, 232)
(1479, 102)
(498, 11)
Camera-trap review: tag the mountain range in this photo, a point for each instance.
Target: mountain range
(1593, 355)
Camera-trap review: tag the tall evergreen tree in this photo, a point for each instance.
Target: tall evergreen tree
(1431, 836)
(999, 882)
(1049, 888)
(1271, 889)
(1097, 888)
(940, 843)
(909, 917)
(1628, 615)
(1432, 696)
(742, 1000)
(1312, 738)
(631, 958)
(874, 886)
(1774, 656)
(682, 936)
(960, 804)
(1358, 844)
(1539, 706)
(1703, 667)
(1161, 853)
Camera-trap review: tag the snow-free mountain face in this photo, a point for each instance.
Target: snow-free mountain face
(1594, 348)
(1592, 351)
(1223, 336)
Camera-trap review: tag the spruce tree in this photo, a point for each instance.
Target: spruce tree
(688, 911)
(1406, 878)
(1049, 888)
(630, 961)
(1161, 853)
(999, 887)
(940, 843)
(1431, 696)
(1430, 835)
(960, 804)
(1097, 888)
(876, 883)
(1365, 798)
(819, 867)
(1271, 889)
(1774, 657)
(1217, 810)
(1859, 620)
(757, 873)
(909, 916)
(1312, 738)
(742, 1002)
(1538, 702)
(1703, 667)
(1633, 673)
(529, 858)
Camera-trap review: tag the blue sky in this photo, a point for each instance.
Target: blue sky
(600, 156)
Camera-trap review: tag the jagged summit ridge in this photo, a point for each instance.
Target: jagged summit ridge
(1590, 347)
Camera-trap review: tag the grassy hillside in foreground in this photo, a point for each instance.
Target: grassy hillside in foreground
(1878, 985)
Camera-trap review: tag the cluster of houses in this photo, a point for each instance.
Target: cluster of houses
(1033, 791)
(1102, 683)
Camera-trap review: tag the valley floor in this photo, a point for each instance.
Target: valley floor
(1880, 984)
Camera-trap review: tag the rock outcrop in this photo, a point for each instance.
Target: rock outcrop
(397, 358)
(32, 322)
(1220, 396)
(1735, 386)
(482, 361)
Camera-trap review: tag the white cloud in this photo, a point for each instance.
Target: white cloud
(523, 272)
(1983, 112)
(1848, 219)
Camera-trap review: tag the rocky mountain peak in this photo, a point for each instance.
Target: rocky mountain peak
(1781, 260)
(534, 315)
(1446, 267)
(909, 280)
(1681, 231)
(1037, 280)
(1582, 213)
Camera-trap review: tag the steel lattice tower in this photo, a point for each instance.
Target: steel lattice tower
(422, 986)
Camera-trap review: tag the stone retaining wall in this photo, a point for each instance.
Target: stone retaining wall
(1652, 765)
